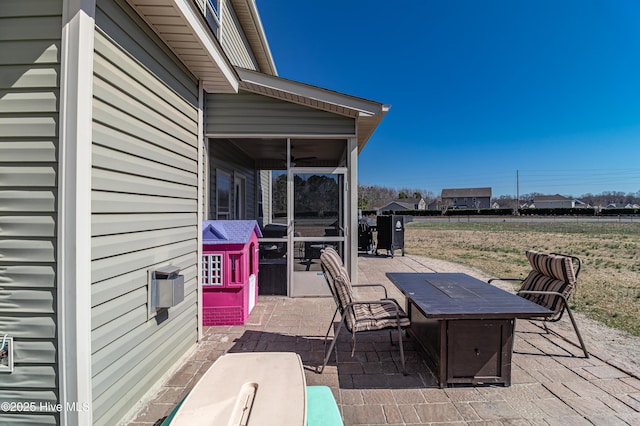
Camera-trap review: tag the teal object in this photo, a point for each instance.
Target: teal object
(322, 409)
(167, 421)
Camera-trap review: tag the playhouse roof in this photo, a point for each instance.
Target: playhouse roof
(229, 231)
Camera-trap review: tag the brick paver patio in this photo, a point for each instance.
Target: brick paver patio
(551, 383)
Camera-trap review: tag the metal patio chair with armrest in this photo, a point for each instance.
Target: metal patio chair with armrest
(359, 315)
(552, 281)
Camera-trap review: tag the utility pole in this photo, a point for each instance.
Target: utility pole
(517, 192)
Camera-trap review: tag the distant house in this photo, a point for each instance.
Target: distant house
(404, 204)
(553, 201)
(435, 204)
(467, 198)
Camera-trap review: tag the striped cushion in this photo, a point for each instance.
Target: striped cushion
(344, 291)
(553, 266)
(377, 317)
(333, 268)
(361, 317)
(367, 316)
(536, 281)
(332, 262)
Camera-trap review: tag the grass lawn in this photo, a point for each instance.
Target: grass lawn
(608, 285)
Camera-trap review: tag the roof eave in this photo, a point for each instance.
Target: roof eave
(368, 114)
(368, 127)
(356, 106)
(182, 26)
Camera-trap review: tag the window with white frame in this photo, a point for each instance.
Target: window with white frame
(223, 195)
(213, 4)
(212, 269)
(212, 14)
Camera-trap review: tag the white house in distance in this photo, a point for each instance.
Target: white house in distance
(123, 125)
(404, 204)
(553, 201)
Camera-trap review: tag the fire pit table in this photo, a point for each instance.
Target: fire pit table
(465, 325)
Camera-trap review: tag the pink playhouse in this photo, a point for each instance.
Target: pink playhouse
(229, 270)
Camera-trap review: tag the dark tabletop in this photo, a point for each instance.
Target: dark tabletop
(457, 296)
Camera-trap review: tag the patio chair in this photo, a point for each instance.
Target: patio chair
(359, 316)
(551, 282)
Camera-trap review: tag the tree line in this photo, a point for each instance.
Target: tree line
(371, 197)
(620, 199)
(321, 192)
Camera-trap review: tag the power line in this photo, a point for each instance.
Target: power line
(590, 180)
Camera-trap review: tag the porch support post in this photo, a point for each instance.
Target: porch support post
(352, 209)
(290, 213)
(202, 186)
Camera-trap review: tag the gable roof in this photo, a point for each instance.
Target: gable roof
(229, 231)
(368, 114)
(405, 203)
(466, 192)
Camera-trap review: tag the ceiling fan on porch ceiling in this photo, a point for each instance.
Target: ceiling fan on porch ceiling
(299, 160)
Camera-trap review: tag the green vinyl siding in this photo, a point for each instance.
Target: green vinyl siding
(144, 208)
(30, 34)
(233, 40)
(245, 114)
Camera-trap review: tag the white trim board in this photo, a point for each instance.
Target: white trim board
(74, 211)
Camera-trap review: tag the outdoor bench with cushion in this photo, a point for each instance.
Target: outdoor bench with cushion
(552, 280)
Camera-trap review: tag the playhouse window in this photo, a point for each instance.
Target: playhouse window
(235, 274)
(252, 253)
(212, 269)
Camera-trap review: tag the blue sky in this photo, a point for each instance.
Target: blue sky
(478, 89)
